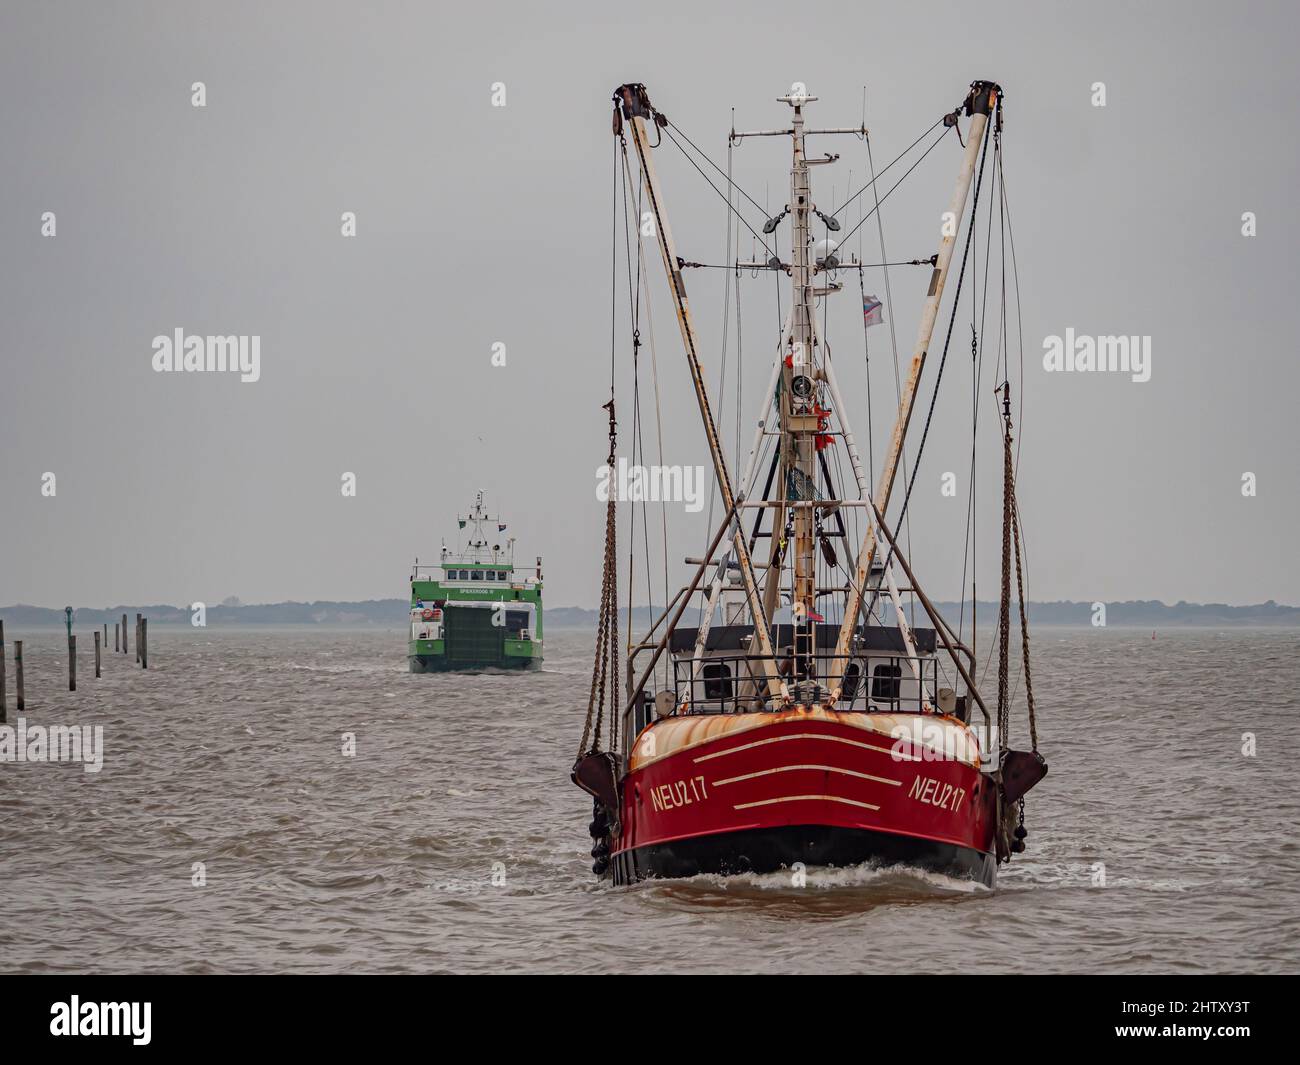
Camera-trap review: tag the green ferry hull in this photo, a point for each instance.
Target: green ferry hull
(420, 663)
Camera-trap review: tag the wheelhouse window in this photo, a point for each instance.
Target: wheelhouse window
(887, 683)
(476, 574)
(852, 676)
(717, 681)
(491, 574)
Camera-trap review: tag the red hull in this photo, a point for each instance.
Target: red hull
(728, 793)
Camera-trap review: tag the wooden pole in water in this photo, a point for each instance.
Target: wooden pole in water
(117, 638)
(137, 636)
(72, 663)
(97, 654)
(106, 636)
(124, 636)
(4, 696)
(18, 674)
(144, 643)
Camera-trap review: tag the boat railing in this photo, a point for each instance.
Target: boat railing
(736, 684)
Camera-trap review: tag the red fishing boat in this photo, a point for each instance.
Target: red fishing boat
(803, 720)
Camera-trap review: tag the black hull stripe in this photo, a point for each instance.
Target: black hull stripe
(768, 850)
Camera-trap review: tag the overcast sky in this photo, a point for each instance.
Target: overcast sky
(478, 225)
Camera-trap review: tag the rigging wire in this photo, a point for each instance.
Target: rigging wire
(909, 170)
(722, 365)
(744, 221)
(715, 166)
(876, 177)
(634, 307)
(977, 377)
(893, 331)
(785, 269)
(643, 272)
(970, 230)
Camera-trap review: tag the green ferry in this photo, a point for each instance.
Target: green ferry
(476, 609)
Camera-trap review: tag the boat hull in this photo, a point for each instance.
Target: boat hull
(770, 850)
(735, 793)
(443, 664)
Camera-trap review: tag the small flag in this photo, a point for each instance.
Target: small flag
(501, 528)
(871, 311)
(461, 522)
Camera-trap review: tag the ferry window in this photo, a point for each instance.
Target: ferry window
(491, 574)
(887, 683)
(516, 620)
(476, 574)
(502, 575)
(717, 681)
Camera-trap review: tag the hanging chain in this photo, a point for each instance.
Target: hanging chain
(604, 674)
(1010, 538)
(1024, 625)
(1004, 618)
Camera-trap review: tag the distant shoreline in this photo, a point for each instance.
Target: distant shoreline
(393, 612)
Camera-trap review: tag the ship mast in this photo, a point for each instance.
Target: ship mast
(803, 379)
(800, 394)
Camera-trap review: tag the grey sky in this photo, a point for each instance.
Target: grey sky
(479, 225)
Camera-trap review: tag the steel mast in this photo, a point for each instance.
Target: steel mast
(799, 396)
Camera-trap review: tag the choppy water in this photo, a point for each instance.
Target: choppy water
(228, 752)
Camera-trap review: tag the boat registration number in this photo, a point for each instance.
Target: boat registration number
(935, 793)
(678, 794)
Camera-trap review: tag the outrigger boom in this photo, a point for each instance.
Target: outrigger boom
(635, 108)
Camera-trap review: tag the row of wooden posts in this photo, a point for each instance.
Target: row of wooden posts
(119, 641)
